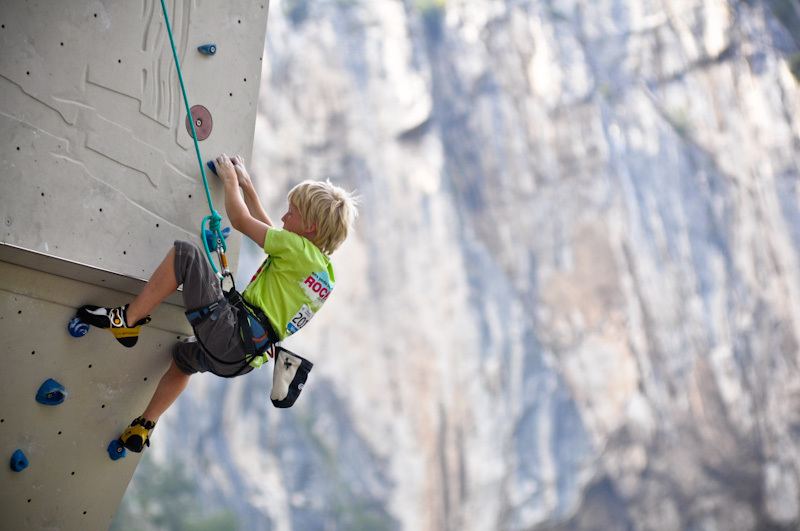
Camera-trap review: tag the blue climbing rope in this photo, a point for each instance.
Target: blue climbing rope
(214, 219)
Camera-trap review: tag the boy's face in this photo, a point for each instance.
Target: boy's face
(293, 222)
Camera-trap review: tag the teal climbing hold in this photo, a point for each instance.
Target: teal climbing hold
(51, 393)
(211, 238)
(116, 450)
(18, 461)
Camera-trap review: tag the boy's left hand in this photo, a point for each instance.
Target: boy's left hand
(225, 169)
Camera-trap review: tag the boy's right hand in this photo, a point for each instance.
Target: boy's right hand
(241, 171)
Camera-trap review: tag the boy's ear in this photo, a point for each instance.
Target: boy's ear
(312, 228)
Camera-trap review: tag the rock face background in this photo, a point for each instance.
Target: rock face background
(572, 299)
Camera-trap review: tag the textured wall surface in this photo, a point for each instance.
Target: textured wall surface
(99, 177)
(70, 482)
(99, 166)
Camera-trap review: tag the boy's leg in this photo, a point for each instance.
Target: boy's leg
(160, 286)
(172, 384)
(184, 264)
(126, 321)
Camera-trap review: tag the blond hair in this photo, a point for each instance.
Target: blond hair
(332, 208)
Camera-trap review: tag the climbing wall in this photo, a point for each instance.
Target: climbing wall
(100, 175)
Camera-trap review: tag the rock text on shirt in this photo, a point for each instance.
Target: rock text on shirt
(317, 286)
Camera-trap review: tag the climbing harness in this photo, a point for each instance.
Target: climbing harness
(214, 218)
(254, 327)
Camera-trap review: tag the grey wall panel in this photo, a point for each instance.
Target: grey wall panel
(99, 166)
(99, 175)
(70, 482)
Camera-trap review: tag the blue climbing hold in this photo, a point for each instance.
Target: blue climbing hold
(77, 328)
(210, 164)
(116, 450)
(211, 240)
(207, 49)
(18, 461)
(51, 393)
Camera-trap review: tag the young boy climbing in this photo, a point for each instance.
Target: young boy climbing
(287, 290)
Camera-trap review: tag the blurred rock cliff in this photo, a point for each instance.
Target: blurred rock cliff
(572, 297)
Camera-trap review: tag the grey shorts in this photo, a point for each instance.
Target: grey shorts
(221, 335)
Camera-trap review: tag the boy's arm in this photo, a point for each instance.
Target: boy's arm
(235, 206)
(250, 196)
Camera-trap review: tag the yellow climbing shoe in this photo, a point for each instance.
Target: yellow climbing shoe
(137, 435)
(113, 319)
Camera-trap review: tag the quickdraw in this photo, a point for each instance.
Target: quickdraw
(260, 340)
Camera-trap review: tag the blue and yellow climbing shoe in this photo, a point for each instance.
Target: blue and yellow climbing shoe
(113, 319)
(137, 435)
